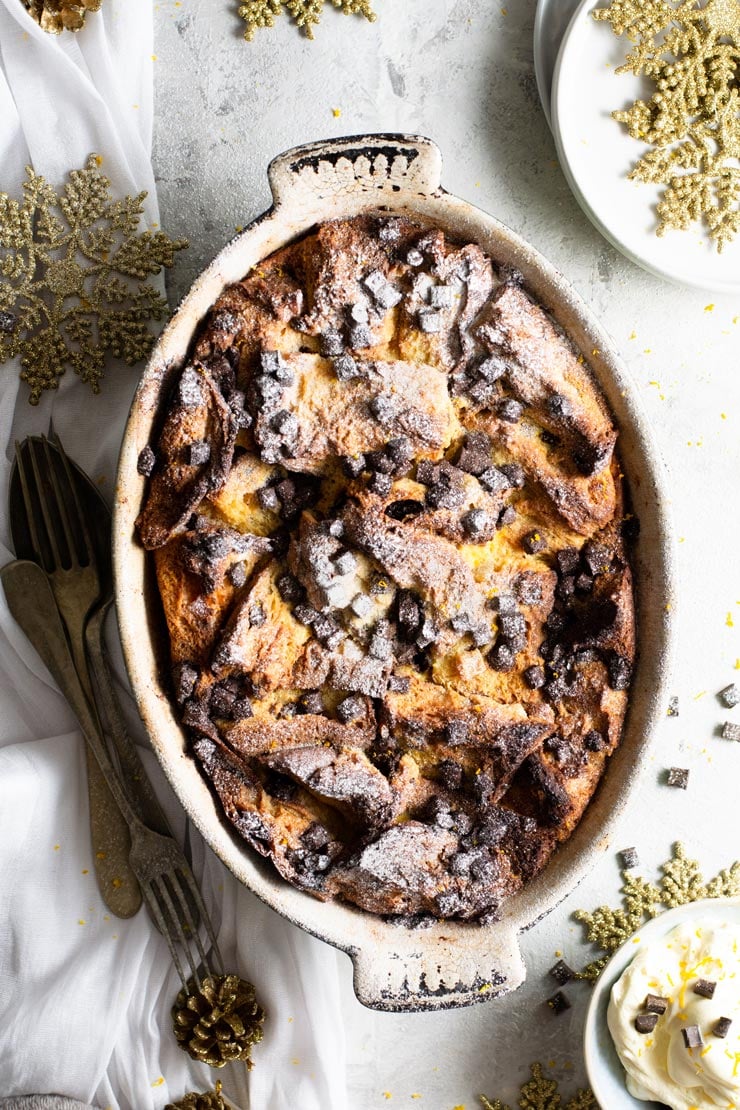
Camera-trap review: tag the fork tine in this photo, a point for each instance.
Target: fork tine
(42, 500)
(72, 484)
(61, 504)
(23, 477)
(193, 890)
(163, 925)
(177, 926)
(194, 933)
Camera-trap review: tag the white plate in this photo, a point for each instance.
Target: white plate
(550, 24)
(603, 1067)
(596, 155)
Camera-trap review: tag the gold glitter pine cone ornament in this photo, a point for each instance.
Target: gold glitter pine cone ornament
(208, 1100)
(56, 16)
(219, 1023)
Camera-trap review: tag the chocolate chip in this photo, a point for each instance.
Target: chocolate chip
(501, 657)
(450, 774)
(645, 1023)
(289, 587)
(146, 461)
(268, 498)
(328, 631)
(190, 389)
(430, 321)
(565, 588)
(730, 731)
(494, 480)
(442, 296)
(533, 542)
(185, 677)
(428, 634)
(315, 837)
(491, 369)
(705, 988)
(402, 510)
(534, 677)
(383, 408)
(388, 296)
(222, 702)
(692, 1037)
(306, 614)
(528, 588)
(237, 575)
(268, 389)
(515, 473)
(331, 343)
(476, 522)
(475, 454)
(360, 335)
(620, 672)
(593, 741)
(597, 558)
(399, 684)
(722, 1027)
(256, 615)
(361, 605)
(374, 281)
(389, 231)
(350, 709)
(400, 450)
(568, 559)
(381, 484)
(561, 973)
(584, 583)
(380, 646)
(345, 368)
(558, 406)
(510, 410)
(456, 732)
(512, 625)
(312, 702)
(730, 696)
(679, 777)
(409, 614)
(198, 453)
(358, 312)
(629, 857)
(353, 465)
(346, 563)
(415, 257)
(285, 423)
(558, 1003)
(656, 1004)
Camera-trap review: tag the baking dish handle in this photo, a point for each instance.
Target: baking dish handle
(374, 165)
(410, 970)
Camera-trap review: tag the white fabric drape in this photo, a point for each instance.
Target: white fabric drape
(84, 997)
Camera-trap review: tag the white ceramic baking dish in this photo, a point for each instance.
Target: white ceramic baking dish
(450, 964)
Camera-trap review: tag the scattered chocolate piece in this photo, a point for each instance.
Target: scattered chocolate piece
(491, 369)
(501, 657)
(692, 1037)
(327, 631)
(679, 777)
(584, 583)
(360, 335)
(430, 321)
(146, 461)
(346, 563)
(383, 408)
(558, 1003)
(510, 410)
(672, 707)
(533, 542)
(345, 368)
(476, 522)
(306, 614)
(441, 296)
(289, 588)
(382, 484)
(312, 702)
(705, 988)
(597, 557)
(350, 709)
(268, 499)
(562, 973)
(730, 696)
(185, 677)
(593, 741)
(568, 560)
(402, 510)
(722, 1027)
(198, 453)
(645, 1023)
(399, 684)
(331, 343)
(629, 857)
(456, 732)
(361, 605)
(475, 454)
(515, 473)
(256, 615)
(494, 480)
(353, 465)
(190, 389)
(730, 731)
(237, 575)
(534, 677)
(656, 1004)
(620, 672)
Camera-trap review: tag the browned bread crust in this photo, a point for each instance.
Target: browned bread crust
(387, 520)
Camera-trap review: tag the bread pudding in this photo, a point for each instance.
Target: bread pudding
(390, 536)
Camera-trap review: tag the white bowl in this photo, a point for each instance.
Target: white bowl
(603, 1067)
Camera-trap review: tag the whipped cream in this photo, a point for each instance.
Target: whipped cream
(659, 1064)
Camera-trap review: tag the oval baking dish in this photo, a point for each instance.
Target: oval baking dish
(450, 964)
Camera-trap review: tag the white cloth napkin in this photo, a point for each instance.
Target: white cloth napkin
(84, 997)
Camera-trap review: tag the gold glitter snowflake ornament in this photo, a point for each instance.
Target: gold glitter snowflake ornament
(690, 50)
(304, 13)
(73, 279)
(56, 16)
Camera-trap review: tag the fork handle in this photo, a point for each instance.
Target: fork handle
(31, 601)
(136, 782)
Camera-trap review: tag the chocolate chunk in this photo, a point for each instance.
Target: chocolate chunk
(645, 1023)
(374, 281)
(430, 321)
(730, 696)
(379, 460)
(512, 625)
(565, 588)
(442, 296)
(656, 1004)
(620, 672)
(402, 510)
(593, 741)
(289, 587)
(270, 362)
(515, 473)
(673, 709)
(312, 702)
(508, 516)
(399, 684)
(286, 424)
(190, 389)
(678, 777)
(692, 1037)
(528, 588)
(237, 575)
(722, 1027)
(450, 774)
(510, 410)
(353, 465)
(705, 988)
(350, 708)
(409, 614)
(268, 498)
(491, 369)
(383, 408)
(315, 837)
(558, 406)
(146, 461)
(561, 973)
(568, 560)
(345, 368)
(456, 732)
(597, 557)
(346, 563)
(306, 614)
(388, 296)
(380, 646)
(730, 731)
(428, 634)
(335, 528)
(185, 677)
(534, 677)
(331, 343)
(476, 522)
(198, 453)
(584, 583)
(256, 615)
(327, 631)
(415, 257)
(400, 451)
(475, 454)
(360, 335)
(494, 480)
(558, 1003)
(629, 857)
(533, 542)
(382, 484)
(501, 657)
(389, 231)
(361, 605)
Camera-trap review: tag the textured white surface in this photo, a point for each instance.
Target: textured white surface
(462, 73)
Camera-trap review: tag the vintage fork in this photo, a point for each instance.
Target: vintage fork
(77, 591)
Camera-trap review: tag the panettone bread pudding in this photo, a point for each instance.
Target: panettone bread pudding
(388, 527)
